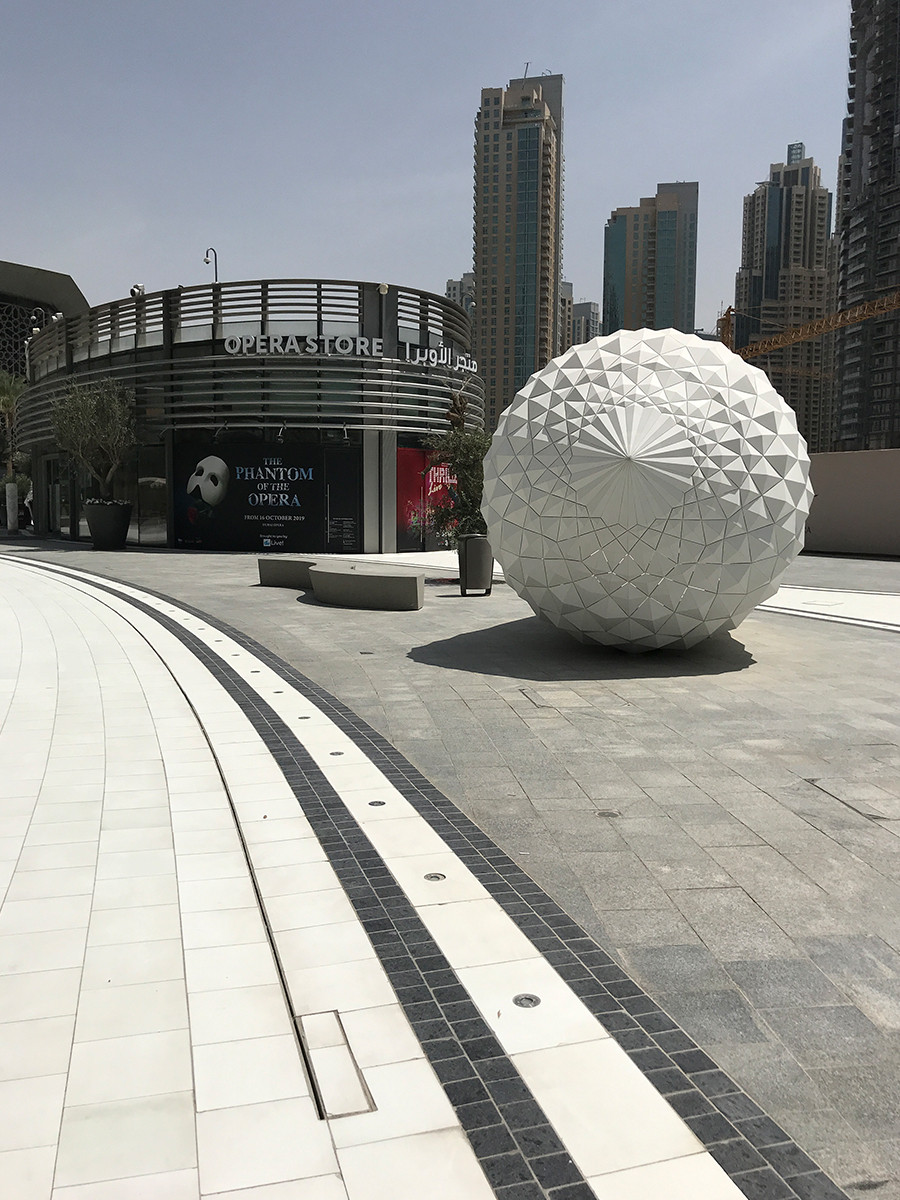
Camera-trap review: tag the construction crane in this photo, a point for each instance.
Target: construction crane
(800, 333)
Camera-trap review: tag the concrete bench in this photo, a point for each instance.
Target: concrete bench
(285, 572)
(361, 585)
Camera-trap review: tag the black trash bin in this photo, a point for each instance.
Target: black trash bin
(476, 564)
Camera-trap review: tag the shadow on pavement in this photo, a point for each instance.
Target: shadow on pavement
(66, 545)
(532, 649)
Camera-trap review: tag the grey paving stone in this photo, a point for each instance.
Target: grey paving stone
(637, 828)
(731, 833)
(550, 805)
(784, 983)
(683, 968)
(617, 879)
(771, 1076)
(488, 808)
(602, 784)
(867, 1095)
(490, 785)
(784, 892)
(813, 1128)
(825, 1035)
(854, 1167)
(681, 871)
(854, 956)
(713, 1016)
(732, 925)
(690, 813)
(684, 795)
(582, 829)
(548, 787)
(879, 999)
(630, 806)
(648, 927)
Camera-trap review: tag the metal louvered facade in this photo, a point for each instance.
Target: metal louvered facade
(269, 362)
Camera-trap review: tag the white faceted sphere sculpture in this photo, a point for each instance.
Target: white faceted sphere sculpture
(646, 489)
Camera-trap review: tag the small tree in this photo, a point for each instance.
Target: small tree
(463, 450)
(11, 388)
(94, 425)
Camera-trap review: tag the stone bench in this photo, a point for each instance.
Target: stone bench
(364, 585)
(285, 572)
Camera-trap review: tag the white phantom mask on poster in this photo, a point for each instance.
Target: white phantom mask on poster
(210, 479)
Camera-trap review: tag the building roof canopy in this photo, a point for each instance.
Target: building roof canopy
(49, 288)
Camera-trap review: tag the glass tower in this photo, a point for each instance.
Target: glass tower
(518, 234)
(650, 262)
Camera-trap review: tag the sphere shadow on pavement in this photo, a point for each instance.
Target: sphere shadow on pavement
(531, 648)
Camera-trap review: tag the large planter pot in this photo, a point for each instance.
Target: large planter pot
(108, 524)
(476, 564)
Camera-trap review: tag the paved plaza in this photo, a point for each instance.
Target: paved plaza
(306, 903)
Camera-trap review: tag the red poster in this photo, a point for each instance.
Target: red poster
(419, 487)
(411, 467)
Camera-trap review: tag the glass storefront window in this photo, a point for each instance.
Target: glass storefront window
(151, 496)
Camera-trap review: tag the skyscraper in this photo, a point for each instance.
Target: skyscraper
(566, 316)
(518, 233)
(462, 291)
(585, 321)
(868, 230)
(786, 278)
(650, 262)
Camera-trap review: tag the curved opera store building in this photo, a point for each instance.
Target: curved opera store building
(274, 415)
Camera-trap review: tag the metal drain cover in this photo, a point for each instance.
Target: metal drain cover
(526, 1000)
(435, 876)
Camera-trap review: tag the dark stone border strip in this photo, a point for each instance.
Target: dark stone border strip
(516, 1145)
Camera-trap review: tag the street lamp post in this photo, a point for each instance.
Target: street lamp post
(211, 250)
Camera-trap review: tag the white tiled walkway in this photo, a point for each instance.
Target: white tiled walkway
(170, 920)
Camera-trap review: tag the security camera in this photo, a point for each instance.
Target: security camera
(137, 290)
(206, 260)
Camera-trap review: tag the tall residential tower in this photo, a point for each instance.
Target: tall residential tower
(868, 230)
(585, 321)
(650, 262)
(518, 234)
(786, 278)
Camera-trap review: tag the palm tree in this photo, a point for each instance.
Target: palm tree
(11, 388)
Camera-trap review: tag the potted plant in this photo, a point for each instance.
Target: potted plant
(457, 518)
(11, 388)
(94, 424)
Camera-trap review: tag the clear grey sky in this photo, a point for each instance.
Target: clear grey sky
(334, 138)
